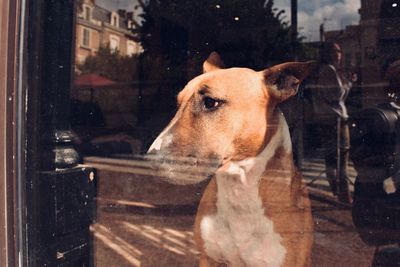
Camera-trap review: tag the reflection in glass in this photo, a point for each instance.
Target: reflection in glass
(134, 57)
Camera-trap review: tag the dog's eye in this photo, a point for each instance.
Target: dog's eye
(211, 103)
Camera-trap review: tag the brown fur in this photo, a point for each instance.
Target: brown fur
(242, 125)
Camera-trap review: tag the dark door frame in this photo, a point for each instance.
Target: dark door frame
(45, 195)
(9, 40)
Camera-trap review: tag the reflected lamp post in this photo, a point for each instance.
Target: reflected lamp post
(293, 7)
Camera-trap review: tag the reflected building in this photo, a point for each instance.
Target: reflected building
(370, 47)
(97, 26)
(380, 37)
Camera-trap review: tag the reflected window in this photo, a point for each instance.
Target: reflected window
(131, 24)
(114, 19)
(86, 37)
(114, 43)
(137, 56)
(131, 48)
(87, 13)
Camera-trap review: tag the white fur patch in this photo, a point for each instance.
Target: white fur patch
(161, 140)
(239, 233)
(164, 138)
(287, 142)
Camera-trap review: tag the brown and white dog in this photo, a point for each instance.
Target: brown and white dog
(254, 211)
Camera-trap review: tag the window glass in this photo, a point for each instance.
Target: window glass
(88, 13)
(86, 38)
(114, 19)
(132, 48)
(114, 43)
(162, 156)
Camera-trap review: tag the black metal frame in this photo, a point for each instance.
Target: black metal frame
(59, 192)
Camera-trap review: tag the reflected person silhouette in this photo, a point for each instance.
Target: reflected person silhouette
(331, 113)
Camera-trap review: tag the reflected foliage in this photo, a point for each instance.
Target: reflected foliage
(177, 36)
(111, 64)
(249, 32)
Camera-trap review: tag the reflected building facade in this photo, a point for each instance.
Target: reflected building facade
(97, 26)
(370, 47)
(377, 46)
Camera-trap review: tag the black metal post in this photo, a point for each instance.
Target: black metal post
(60, 192)
(57, 49)
(294, 19)
(294, 26)
(141, 116)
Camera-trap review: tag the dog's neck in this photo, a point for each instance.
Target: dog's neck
(250, 170)
(240, 209)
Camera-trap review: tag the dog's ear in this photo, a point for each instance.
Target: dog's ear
(213, 62)
(283, 80)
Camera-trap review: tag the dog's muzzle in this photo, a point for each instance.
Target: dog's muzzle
(181, 170)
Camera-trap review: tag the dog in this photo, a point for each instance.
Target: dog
(255, 210)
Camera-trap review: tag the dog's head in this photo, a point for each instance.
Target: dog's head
(227, 114)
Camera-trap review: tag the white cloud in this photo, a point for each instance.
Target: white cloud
(335, 14)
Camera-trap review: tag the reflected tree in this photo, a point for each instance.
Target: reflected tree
(177, 36)
(111, 64)
(246, 32)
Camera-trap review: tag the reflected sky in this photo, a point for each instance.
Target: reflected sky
(335, 14)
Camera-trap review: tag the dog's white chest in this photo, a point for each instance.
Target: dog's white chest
(239, 233)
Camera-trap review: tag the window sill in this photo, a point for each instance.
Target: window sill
(86, 47)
